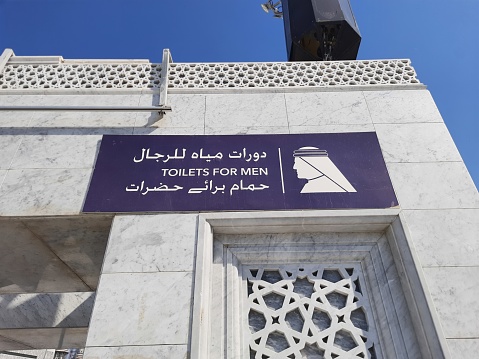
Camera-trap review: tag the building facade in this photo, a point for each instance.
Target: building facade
(336, 282)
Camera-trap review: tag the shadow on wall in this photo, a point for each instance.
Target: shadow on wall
(45, 310)
(49, 270)
(52, 254)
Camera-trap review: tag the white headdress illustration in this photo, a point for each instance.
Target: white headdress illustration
(313, 164)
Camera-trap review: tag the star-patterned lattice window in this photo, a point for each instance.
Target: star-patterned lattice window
(309, 311)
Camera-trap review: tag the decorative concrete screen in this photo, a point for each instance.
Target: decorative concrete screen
(98, 74)
(309, 311)
(291, 74)
(81, 76)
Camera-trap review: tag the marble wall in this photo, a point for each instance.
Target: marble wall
(146, 283)
(39, 354)
(143, 307)
(49, 269)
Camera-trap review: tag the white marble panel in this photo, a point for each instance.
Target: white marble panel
(402, 312)
(463, 348)
(9, 145)
(95, 122)
(386, 314)
(86, 119)
(421, 142)
(57, 151)
(46, 338)
(158, 129)
(14, 121)
(246, 130)
(37, 354)
(158, 243)
(11, 344)
(79, 241)
(433, 185)
(132, 352)
(298, 228)
(141, 309)
(32, 192)
(246, 110)
(445, 237)
(17, 119)
(56, 119)
(369, 220)
(332, 128)
(34, 310)
(22, 100)
(327, 108)
(427, 330)
(151, 99)
(79, 99)
(188, 110)
(28, 265)
(283, 241)
(9, 100)
(454, 291)
(3, 174)
(402, 106)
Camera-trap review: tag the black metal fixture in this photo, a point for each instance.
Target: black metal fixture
(315, 30)
(276, 8)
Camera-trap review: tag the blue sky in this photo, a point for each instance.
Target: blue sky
(439, 36)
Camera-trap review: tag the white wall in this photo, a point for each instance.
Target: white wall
(145, 289)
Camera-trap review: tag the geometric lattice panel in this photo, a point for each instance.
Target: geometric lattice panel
(94, 75)
(291, 74)
(309, 311)
(143, 75)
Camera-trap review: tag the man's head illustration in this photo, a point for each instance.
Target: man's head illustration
(305, 162)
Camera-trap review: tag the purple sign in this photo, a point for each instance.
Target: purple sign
(241, 172)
